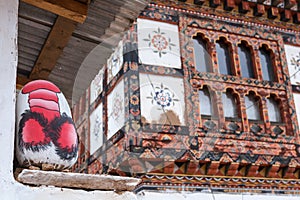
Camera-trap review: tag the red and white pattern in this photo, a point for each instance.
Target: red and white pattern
(46, 132)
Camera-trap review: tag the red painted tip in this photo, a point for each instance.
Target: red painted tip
(39, 84)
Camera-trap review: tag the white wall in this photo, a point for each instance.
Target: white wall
(209, 196)
(11, 189)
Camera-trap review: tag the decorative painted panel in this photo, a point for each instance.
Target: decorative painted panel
(293, 61)
(96, 86)
(96, 129)
(297, 103)
(115, 62)
(116, 109)
(158, 43)
(162, 99)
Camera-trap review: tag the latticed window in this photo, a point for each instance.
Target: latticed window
(201, 55)
(224, 57)
(245, 59)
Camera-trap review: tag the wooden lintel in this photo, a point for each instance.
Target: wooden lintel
(69, 9)
(53, 47)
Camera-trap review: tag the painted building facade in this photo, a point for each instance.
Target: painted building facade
(12, 189)
(197, 94)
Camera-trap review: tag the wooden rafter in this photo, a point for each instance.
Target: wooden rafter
(53, 47)
(70, 9)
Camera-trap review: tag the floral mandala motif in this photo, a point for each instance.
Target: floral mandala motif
(117, 106)
(159, 43)
(163, 97)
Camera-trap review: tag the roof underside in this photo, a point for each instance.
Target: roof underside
(76, 64)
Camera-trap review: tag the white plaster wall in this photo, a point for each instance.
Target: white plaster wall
(209, 196)
(11, 189)
(8, 62)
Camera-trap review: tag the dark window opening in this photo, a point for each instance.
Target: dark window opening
(230, 105)
(224, 57)
(201, 55)
(205, 98)
(273, 110)
(266, 64)
(246, 62)
(252, 107)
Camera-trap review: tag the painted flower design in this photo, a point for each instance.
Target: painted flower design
(163, 97)
(134, 100)
(295, 62)
(159, 42)
(97, 126)
(118, 106)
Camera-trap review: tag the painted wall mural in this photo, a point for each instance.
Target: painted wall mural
(293, 61)
(96, 129)
(46, 133)
(162, 99)
(96, 86)
(116, 109)
(115, 62)
(158, 43)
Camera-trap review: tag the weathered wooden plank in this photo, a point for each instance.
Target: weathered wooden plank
(29, 50)
(27, 53)
(76, 180)
(27, 42)
(36, 14)
(25, 68)
(70, 9)
(56, 41)
(26, 60)
(33, 33)
(26, 23)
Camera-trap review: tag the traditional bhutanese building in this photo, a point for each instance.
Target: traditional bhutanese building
(199, 94)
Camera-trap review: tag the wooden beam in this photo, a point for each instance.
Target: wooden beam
(53, 47)
(69, 9)
(77, 180)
